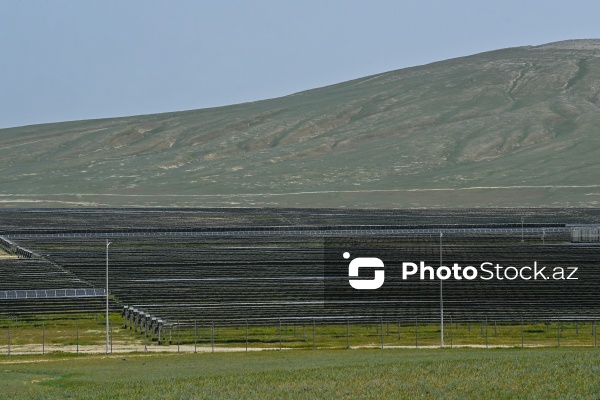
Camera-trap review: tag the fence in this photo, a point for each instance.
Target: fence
(51, 293)
(87, 334)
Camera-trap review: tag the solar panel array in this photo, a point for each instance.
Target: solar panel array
(219, 265)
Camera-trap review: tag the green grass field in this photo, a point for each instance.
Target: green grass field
(407, 373)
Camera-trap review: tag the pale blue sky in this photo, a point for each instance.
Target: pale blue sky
(71, 60)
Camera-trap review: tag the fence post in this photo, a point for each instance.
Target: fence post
(416, 332)
(279, 334)
(558, 331)
(246, 336)
(347, 333)
(43, 339)
(212, 336)
(9, 338)
(382, 332)
(594, 333)
(146, 338)
(111, 337)
(195, 335)
(398, 330)
(576, 327)
(495, 331)
(522, 333)
(77, 333)
(178, 335)
(486, 332)
(450, 331)
(314, 328)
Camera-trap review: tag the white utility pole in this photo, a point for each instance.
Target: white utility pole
(441, 299)
(522, 230)
(107, 339)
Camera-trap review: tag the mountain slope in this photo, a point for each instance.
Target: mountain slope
(513, 127)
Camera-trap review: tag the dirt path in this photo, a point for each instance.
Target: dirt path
(128, 348)
(120, 348)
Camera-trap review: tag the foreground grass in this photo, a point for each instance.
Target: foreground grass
(428, 373)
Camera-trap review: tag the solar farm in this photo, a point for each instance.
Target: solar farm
(261, 269)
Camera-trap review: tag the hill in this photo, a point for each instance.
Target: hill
(512, 127)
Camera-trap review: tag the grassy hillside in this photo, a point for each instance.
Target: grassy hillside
(513, 127)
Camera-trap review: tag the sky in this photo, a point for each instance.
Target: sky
(73, 60)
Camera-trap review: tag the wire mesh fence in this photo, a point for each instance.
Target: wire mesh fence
(51, 293)
(79, 334)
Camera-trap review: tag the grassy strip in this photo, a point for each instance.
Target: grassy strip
(63, 333)
(428, 373)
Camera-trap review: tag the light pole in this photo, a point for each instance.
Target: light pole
(543, 236)
(107, 244)
(441, 299)
(522, 231)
